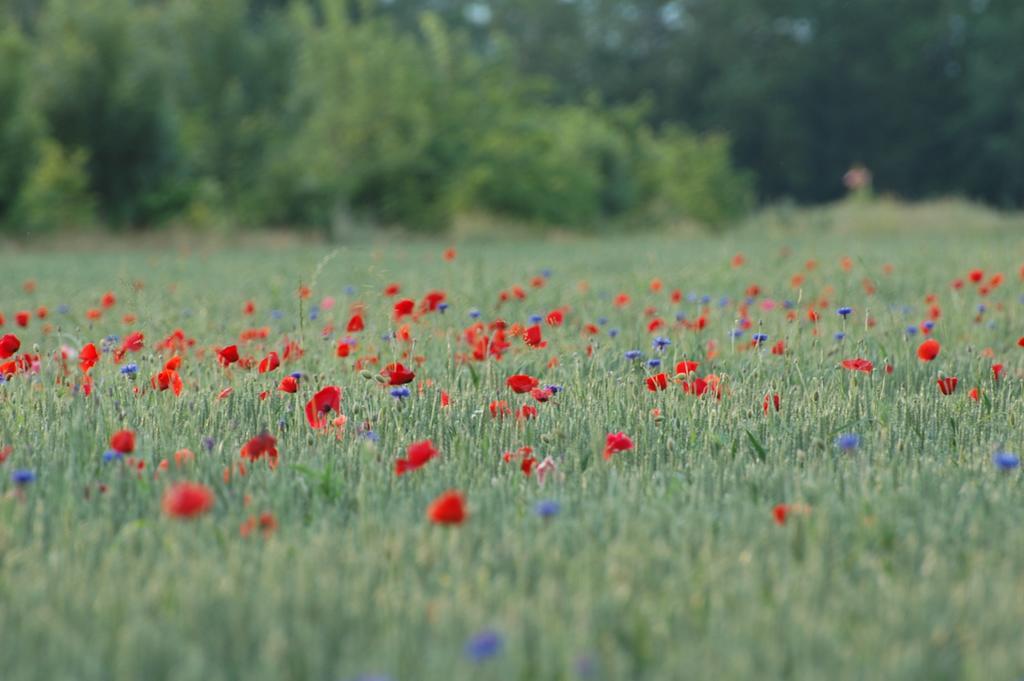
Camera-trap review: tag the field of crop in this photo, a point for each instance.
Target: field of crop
(713, 470)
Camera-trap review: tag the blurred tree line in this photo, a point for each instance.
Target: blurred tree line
(318, 113)
(570, 112)
(926, 93)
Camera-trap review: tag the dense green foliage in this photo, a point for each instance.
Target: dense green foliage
(664, 562)
(319, 114)
(924, 92)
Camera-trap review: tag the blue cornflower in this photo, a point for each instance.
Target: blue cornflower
(680, 316)
(441, 307)
(788, 304)
(844, 312)
(555, 389)
(547, 508)
(601, 321)
(276, 314)
(724, 301)
(314, 312)
(208, 443)
(760, 338)
(399, 393)
(692, 297)
(536, 319)
(546, 273)
(705, 300)
(63, 308)
(112, 455)
(350, 290)
(848, 441)
(981, 308)
(736, 333)
(109, 343)
(633, 355)
(929, 325)
(654, 363)
(474, 313)
(660, 343)
(386, 337)
(23, 476)
(840, 335)
(130, 369)
(612, 333)
(484, 645)
(296, 375)
(911, 330)
(371, 436)
(1005, 461)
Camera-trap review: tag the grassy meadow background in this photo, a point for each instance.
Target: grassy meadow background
(663, 562)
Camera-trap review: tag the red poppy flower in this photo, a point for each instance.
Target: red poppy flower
(392, 290)
(228, 356)
(262, 445)
(770, 400)
(779, 513)
(947, 385)
(167, 379)
(976, 275)
(416, 455)
(541, 394)
(187, 500)
(449, 254)
(404, 307)
(397, 374)
(344, 347)
(555, 317)
(22, 318)
(431, 301)
(657, 382)
(269, 363)
(779, 348)
(928, 350)
(88, 357)
(288, 384)
(132, 343)
(448, 509)
(532, 337)
(324, 402)
(686, 367)
(616, 442)
(499, 408)
(9, 345)
(521, 383)
(527, 411)
(123, 441)
(859, 365)
(355, 324)
(996, 370)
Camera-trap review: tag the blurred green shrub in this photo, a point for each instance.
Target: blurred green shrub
(55, 194)
(306, 114)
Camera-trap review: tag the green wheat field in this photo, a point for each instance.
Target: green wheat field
(868, 527)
